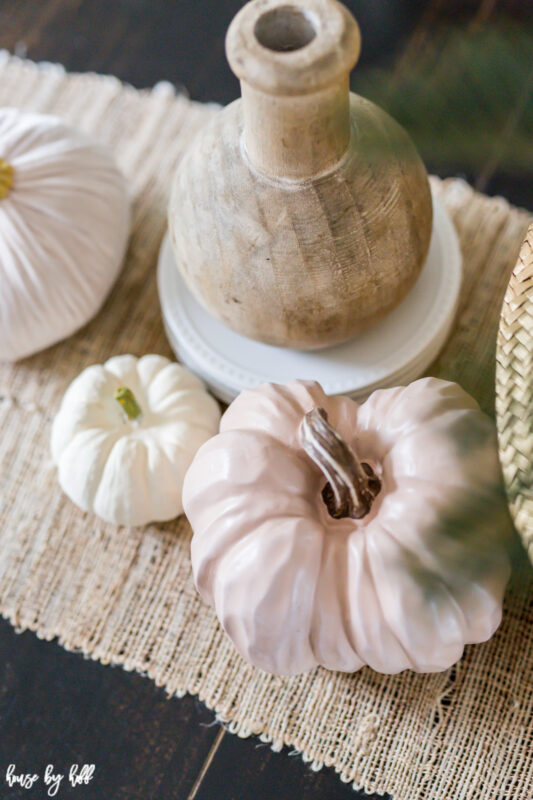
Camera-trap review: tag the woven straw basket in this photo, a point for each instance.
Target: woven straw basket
(514, 392)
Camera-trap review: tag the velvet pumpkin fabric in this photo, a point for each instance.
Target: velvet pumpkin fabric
(64, 226)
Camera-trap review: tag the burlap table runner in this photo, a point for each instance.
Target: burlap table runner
(126, 596)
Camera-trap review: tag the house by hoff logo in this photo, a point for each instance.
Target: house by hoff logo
(78, 775)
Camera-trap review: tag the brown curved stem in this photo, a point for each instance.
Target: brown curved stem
(352, 484)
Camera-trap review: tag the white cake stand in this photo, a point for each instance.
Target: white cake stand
(396, 351)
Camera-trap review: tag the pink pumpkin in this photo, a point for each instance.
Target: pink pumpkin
(354, 534)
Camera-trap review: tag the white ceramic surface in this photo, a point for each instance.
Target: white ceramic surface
(396, 351)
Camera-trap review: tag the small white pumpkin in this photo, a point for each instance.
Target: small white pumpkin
(125, 435)
(64, 226)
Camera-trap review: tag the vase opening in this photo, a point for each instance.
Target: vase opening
(285, 29)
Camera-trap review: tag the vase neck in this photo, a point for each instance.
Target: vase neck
(293, 58)
(296, 137)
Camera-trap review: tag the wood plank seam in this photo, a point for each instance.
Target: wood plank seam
(207, 763)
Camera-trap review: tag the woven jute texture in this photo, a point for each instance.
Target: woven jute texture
(514, 392)
(126, 596)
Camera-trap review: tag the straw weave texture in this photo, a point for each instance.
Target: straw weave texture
(514, 387)
(126, 596)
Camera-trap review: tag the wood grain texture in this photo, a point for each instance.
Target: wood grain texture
(299, 216)
(305, 265)
(58, 708)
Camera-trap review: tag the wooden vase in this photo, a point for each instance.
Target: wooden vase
(302, 213)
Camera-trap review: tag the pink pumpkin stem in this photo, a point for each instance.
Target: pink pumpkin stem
(352, 484)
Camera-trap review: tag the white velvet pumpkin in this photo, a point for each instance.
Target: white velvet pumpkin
(64, 225)
(416, 576)
(125, 435)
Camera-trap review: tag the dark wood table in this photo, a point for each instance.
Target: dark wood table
(459, 76)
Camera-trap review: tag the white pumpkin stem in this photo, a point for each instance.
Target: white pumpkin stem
(352, 484)
(6, 178)
(129, 404)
